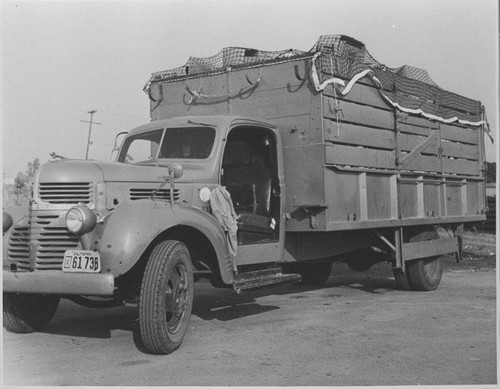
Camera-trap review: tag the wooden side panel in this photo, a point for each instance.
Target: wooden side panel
(455, 152)
(360, 94)
(415, 121)
(359, 156)
(454, 198)
(379, 197)
(357, 135)
(266, 92)
(408, 142)
(408, 199)
(474, 201)
(432, 205)
(459, 133)
(342, 196)
(358, 114)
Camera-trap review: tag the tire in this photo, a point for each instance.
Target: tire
(422, 274)
(25, 313)
(166, 298)
(314, 273)
(426, 273)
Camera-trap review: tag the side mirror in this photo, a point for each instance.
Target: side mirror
(115, 147)
(175, 169)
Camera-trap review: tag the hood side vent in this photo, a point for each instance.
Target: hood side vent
(65, 192)
(141, 193)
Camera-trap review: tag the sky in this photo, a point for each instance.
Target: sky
(63, 59)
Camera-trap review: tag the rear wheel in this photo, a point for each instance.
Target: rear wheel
(166, 297)
(24, 313)
(423, 274)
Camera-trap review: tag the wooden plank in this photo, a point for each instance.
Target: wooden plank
(357, 135)
(379, 197)
(420, 197)
(179, 109)
(424, 164)
(415, 152)
(412, 129)
(366, 224)
(461, 166)
(363, 199)
(273, 103)
(393, 195)
(448, 132)
(294, 129)
(429, 248)
(407, 142)
(359, 114)
(360, 156)
(361, 94)
(460, 150)
(413, 120)
(459, 134)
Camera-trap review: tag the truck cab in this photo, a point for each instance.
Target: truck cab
(93, 226)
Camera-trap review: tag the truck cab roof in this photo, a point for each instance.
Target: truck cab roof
(218, 121)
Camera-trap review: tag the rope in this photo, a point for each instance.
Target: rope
(197, 95)
(369, 72)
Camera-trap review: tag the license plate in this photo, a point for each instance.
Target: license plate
(81, 261)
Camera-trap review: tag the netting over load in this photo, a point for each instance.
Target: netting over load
(342, 61)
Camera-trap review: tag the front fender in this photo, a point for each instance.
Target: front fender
(126, 233)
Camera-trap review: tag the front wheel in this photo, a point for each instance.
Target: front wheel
(25, 313)
(166, 297)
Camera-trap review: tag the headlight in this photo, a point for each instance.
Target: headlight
(80, 219)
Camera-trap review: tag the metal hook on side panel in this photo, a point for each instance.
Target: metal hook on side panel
(255, 82)
(194, 94)
(157, 101)
(150, 95)
(297, 75)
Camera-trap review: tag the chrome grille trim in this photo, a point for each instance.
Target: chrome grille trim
(144, 193)
(18, 247)
(50, 238)
(65, 192)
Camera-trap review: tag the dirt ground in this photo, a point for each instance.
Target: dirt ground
(356, 330)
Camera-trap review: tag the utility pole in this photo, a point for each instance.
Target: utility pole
(92, 112)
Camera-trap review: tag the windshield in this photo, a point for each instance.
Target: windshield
(177, 143)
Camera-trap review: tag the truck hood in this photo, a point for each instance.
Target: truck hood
(68, 171)
(94, 171)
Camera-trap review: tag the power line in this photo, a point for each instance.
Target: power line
(92, 112)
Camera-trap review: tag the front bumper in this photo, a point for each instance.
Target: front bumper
(58, 282)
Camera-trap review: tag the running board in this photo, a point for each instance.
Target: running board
(262, 278)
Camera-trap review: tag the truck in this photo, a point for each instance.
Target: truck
(258, 168)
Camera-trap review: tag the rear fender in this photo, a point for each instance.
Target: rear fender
(126, 233)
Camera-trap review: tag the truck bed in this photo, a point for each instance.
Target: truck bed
(352, 161)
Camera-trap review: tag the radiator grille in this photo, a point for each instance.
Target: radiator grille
(48, 240)
(65, 192)
(18, 247)
(141, 193)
